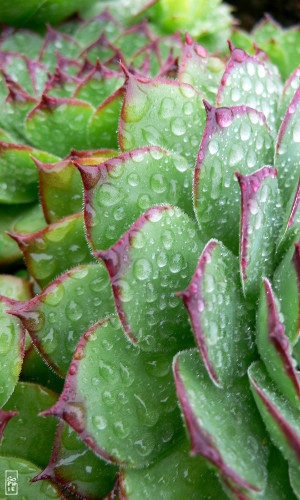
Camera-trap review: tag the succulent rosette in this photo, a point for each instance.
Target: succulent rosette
(156, 206)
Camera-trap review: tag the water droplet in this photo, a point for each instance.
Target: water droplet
(167, 107)
(158, 183)
(55, 296)
(213, 147)
(236, 155)
(73, 311)
(178, 126)
(224, 117)
(296, 132)
(142, 269)
(99, 422)
(245, 131)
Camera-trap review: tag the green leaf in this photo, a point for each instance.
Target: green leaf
(219, 315)
(91, 29)
(105, 121)
(289, 90)
(224, 426)
(287, 157)
(248, 81)
(159, 112)
(56, 41)
(120, 400)
(26, 470)
(273, 345)
(147, 266)
(286, 282)
(29, 436)
(53, 250)
(279, 415)
(200, 70)
(235, 139)
(242, 40)
(22, 42)
(101, 49)
(18, 174)
(174, 477)
(61, 85)
(12, 338)
(58, 125)
(260, 222)
(35, 370)
(290, 232)
(74, 466)
(15, 110)
(295, 480)
(5, 417)
(71, 304)
(61, 185)
(119, 190)
(15, 288)
(98, 85)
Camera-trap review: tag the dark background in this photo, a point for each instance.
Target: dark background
(286, 12)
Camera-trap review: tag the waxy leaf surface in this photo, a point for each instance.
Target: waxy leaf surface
(235, 139)
(74, 466)
(273, 345)
(160, 112)
(58, 125)
(218, 314)
(147, 266)
(27, 435)
(53, 250)
(260, 220)
(12, 338)
(58, 317)
(122, 416)
(280, 416)
(120, 190)
(249, 81)
(224, 426)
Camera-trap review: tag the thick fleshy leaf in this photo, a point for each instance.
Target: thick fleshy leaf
(147, 266)
(12, 338)
(35, 369)
(159, 112)
(58, 125)
(224, 426)
(53, 250)
(200, 70)
(61, 185)
(18, 174)
(287, 158)
(235, 139)
(59, 316)
(27, 435)
(5, 417)
(22, 42)
(98, 85)
(90, 30)
(279, 415)
(57, 41)
(26, 470)
(289, 90)
(15, 110)
(286, 282)
(295, 480)
(174, 477)
(17, 218)
(248, 81)
(101, 49)
(75, 467)
(219, 315)
(273, 345)
(118, 191)
(61, 84)
(15, 288)
(260, 222)
(122, 416)
(290, 232)
(15, 66)
(105, 121)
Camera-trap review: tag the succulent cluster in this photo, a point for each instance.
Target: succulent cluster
(153, 190)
